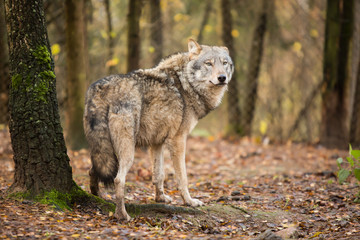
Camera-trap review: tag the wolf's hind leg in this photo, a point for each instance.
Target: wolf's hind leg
(122, 135)
(94, 182)
(158, 175)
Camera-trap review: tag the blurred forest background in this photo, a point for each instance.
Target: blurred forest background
(296, 61)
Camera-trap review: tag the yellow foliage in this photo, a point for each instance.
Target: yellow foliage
(103, 34)
(178, 17)
(288, 104)
(112, 62)
(112, 34)
(263, 127)
(208, 28)
(151, 49)
(163, 5)
(314, 33)
(235, 33)
(297, 47)
(55, 49)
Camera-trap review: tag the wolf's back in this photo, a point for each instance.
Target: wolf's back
(103, 158)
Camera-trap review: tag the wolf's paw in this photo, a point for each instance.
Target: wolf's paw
(122, 216)
(194, 202)
(163, 198)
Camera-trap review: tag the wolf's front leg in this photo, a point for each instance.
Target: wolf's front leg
(158, 175)
(177, 150)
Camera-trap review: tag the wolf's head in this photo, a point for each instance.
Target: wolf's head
(210, 66)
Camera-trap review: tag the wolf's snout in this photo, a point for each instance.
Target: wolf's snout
(222, 78)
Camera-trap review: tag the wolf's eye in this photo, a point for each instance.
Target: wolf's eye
(208, 64)
(225, 62)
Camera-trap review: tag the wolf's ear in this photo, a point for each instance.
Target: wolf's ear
(194, 48)
(226, 49)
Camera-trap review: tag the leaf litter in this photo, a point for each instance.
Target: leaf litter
(250, 191)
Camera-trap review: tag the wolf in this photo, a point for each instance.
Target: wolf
(157, 108)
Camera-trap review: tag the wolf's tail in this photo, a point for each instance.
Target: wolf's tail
(105, 166)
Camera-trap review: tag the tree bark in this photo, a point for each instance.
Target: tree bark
(41, 161)
(156, 34)
(133, 44)
(4, 68)
(256, 53)
(233, 107)
(355, 118)
(355, 113)
(335, 108)
(76, 73)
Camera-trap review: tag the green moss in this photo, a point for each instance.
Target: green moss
(20, 196)
(42, 55)
(55, 198)
(15, 81)
(40, 87)
(65, 201)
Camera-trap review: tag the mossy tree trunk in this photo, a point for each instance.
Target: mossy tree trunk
(254, 63)
(133, 38)
(334, 130)
(233, 106)
(156, 33)
(4, 68)
(41, 161)
(75, 73)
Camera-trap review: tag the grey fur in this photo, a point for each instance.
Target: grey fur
(155, 107)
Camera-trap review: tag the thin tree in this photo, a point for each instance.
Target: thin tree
(76, 73)
(335, 108)
(256, 53)
(133, 39)
(110, 36)
(233, 108)
(205, 19)
(355, 118)
(133, 45)
(156, 35)
(4, 68)
(41, 161)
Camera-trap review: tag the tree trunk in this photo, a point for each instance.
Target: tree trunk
(335, 110)
(355, 87)
(110, 50)
(256, 53)
(133, 44)
(4, 68)
(76, 73)
(156, 34)
(355, 118)
(41, 162)
(205, 19)
(233, 108)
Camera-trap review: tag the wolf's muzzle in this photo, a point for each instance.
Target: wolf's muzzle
(222, 78)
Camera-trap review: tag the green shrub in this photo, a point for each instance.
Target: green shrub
(353, 168)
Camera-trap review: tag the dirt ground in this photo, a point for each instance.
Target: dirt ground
(290, 191)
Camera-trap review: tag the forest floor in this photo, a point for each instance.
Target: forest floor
(248, 188)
